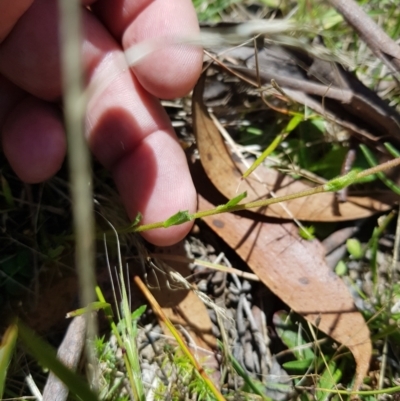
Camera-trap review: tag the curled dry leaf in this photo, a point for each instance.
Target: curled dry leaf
(295, 270)
(226, 175)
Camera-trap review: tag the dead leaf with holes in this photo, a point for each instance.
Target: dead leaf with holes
(226, 175)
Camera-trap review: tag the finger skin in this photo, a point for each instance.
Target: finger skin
(10, 12)
(131, 134)
(33, 140)
(29, 55)
(170, 72)
(10, 95)
(158, 157)
(126, 127)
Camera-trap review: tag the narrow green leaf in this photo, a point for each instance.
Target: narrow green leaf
(290, 335)
(178, 218)
(6, 351)
(94, 306)
(373, 162)
(107, 310)
(138, 312)
(236, 199)
(5, 187)
(391, 149)
(233, 202)
(299, 365)
(47, 357)
(293, 123)
(329, 379)
(278, 139)
(373, 245)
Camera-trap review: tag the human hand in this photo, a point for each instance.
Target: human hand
(127, 129)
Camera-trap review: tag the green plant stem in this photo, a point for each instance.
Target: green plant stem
(373, 245)
(277, 141)
(293, 123)
(331, 186)
(390, 390)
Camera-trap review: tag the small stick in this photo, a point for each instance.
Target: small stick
(346, 167)
(69, 353)
(374, 36)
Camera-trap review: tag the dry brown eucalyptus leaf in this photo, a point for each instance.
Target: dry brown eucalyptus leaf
(226, 174)
(295, 270)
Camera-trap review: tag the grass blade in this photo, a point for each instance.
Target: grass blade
(6, 350)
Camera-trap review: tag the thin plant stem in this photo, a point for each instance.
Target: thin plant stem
(78, 157)
(331, 186)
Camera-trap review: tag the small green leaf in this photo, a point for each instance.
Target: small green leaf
(307, 232)
(341, 268)
(232, 202)
(138, 312)
(254, 131)
(249, 382)
(329, 379)
(236, 199)
(94, 306)
(291, 337)
(299, 365)
(178, 218)
(354, 248)
(137, 220)
(293, 123)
